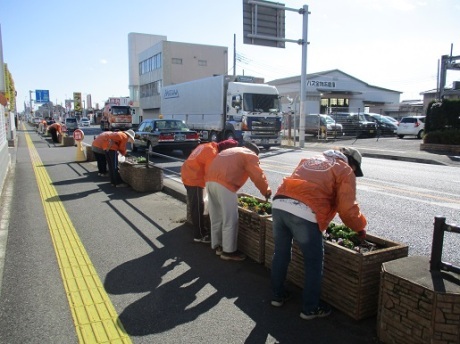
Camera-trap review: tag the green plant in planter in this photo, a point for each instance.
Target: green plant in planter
(141, 160)
(253, 204)
(346, 237)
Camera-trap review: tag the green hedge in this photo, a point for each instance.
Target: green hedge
(446, 137)
(443, 115)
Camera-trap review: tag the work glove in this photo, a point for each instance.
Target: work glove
(362, 235)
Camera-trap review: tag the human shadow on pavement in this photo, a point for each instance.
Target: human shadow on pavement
(185, 281)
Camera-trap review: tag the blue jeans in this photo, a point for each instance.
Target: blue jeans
(310, 240)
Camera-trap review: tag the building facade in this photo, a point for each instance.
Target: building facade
(155, 62)
(335, 90)
(449, 94)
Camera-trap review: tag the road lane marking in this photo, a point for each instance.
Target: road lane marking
(405, 192)
(95, 317)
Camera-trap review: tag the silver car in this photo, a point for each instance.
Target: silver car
(84, 122)
(71, 123)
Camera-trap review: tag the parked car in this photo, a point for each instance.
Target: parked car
(355, 124)
(411, 125)
(332, 125)
(319, 124)
(165, 135)
(394, 120)
(37, 120)
(71, 123)
(386, 126)
(84, 122)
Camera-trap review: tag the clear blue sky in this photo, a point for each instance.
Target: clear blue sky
(82, 46)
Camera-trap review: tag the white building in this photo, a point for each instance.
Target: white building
(335, 89)
(155, 62)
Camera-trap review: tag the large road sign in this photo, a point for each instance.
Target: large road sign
(42, 96)
(264, 23)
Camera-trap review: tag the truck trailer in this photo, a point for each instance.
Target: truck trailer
(117, 114)
(224, 107)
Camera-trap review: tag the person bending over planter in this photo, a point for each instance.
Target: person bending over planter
(193, 171)
(101, 141)
(116, 142)
(227, 173)
(55, 129)
(303, 206)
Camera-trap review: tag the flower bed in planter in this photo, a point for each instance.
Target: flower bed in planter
(140, 177)
(251, 226)
(350, 278)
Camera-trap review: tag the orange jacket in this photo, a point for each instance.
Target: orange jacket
(197, 164)
(56, 126)
(327, 184)
(112, 141)
(102, 140)
(232, 168)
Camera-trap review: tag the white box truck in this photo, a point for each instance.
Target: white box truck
(223, 107)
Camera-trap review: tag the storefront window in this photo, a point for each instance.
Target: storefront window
(333, 103)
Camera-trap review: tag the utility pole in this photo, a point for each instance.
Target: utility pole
(30, 101)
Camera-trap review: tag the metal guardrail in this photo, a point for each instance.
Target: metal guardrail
(440, 227)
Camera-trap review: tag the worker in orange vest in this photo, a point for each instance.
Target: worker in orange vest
(55, 129)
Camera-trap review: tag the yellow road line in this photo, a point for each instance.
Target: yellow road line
(95, 318)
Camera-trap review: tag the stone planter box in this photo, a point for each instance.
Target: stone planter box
(67, 141)
(434, 147)
(142, 178)
(251, 232)
(350, 279)
(417, 305)
(89, 153)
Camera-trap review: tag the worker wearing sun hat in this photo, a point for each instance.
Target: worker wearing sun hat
(193, 171)
(305, 203)
(115, 143)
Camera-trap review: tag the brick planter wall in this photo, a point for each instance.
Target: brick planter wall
(434, 147)
(351, 279)
(418, 306)
(141, 178)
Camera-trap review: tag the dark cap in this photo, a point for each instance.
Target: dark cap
(252, 147)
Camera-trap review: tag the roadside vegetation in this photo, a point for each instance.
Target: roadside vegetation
(442, 124)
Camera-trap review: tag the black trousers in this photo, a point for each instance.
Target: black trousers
(196, 204)
(53, 133)
(112, 161)
(101, 162)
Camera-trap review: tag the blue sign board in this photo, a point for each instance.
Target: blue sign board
(42, 96)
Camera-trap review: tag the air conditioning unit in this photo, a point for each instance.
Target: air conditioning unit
(456, 85)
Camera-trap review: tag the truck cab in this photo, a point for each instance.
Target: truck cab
(254, 111)
(116, 115)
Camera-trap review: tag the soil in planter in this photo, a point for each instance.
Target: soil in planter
(346, 237)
